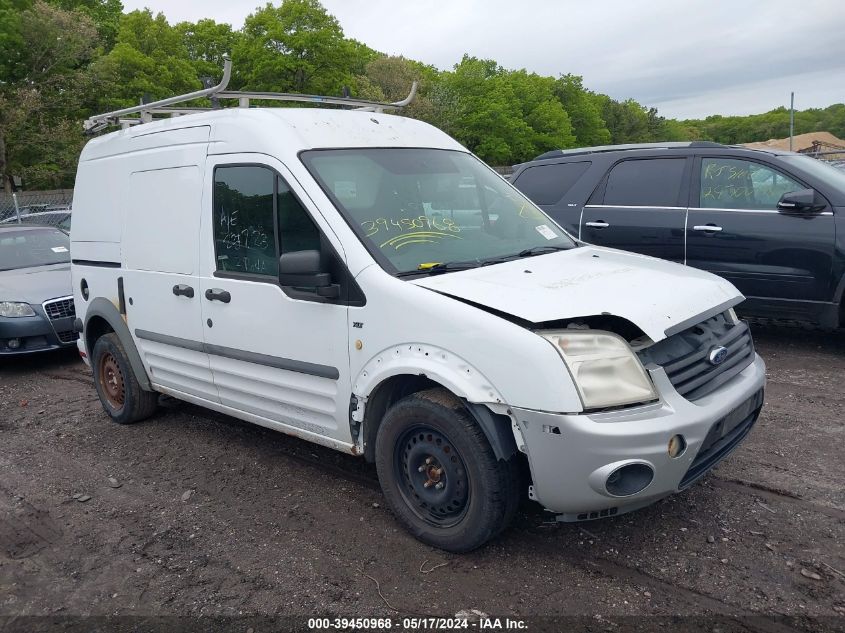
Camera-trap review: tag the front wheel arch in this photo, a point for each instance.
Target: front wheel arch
(496, 427)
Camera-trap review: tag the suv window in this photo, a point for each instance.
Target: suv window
(654, 182)
(250, 202)
(547, 184)
(741, 184)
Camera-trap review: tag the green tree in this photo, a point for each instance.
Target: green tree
(503, 116)
(149, 60)
(104, 13)
(627, 121)
(390, 79)
(584, 111)
(41, 94)
(295, 47)
(206, 43)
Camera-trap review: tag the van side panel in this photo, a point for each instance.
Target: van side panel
(161, 220)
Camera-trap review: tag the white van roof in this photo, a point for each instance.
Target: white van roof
(278, 131)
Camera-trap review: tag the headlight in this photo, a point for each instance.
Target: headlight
(606, 371)
(15, 309)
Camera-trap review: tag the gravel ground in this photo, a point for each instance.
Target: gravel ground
(193, 513)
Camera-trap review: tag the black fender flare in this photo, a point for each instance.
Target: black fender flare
(840, 290)
(107, 311)
(497, 428)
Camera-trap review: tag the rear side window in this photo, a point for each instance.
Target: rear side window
(256, 218)
(652, 182)
(547, 184)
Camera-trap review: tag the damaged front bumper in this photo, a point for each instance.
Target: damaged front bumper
(573, 457)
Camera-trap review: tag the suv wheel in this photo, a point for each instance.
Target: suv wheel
(439, 474)
(118, 388)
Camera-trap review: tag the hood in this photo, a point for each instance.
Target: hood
(653, 294)
(37, 284)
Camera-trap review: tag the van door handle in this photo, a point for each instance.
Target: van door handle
(181, 290)
(218, 294)
(708, 228)
(598, 224)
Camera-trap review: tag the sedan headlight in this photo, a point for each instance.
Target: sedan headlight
(606, 371)
(15, 309)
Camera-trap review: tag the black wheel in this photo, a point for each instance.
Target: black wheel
(118, 389)
(439, 474)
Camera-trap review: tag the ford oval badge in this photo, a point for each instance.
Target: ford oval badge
(717, 355)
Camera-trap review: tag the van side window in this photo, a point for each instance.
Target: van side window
(741, 184)
(297, 231)
(654, 182)
(244, 234)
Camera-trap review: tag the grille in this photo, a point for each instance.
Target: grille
(599, 514)
(59, 308)
(685, 356)
(723, 437)
(68, 336)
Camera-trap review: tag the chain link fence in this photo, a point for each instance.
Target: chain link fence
(51, 208)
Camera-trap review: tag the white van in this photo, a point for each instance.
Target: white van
(360, 280)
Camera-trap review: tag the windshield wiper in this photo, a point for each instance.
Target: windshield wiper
(540, 250)
(442, 267)
(450, 267)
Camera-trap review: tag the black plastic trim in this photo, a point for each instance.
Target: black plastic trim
(195, 346)
(101, 307)
(121, 299)
(497, 428)
(299, 366)
(97, 264)
(717, 446)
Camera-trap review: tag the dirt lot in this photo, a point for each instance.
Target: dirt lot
(205, 515)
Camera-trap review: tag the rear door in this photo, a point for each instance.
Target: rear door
(640, 206)
(735, 230)
(161, 279)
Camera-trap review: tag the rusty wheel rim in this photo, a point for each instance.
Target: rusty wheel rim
(111, 380)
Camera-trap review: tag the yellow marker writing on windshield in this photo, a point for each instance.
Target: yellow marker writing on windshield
(427, 265)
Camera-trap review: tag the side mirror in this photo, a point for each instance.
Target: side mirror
(801, 200)
(302, 269)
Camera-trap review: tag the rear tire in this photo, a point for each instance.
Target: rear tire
(439, 474)
(118, 388)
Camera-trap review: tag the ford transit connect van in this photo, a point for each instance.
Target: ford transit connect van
(360, 280)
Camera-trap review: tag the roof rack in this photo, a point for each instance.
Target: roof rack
(145, 111)
(555, 153)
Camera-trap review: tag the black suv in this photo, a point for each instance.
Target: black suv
(765, 220)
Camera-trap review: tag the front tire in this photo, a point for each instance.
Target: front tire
(118, 388)
(439, 474)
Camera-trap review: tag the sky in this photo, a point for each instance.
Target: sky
(688, 58)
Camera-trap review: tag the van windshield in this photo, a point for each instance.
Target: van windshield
(432, 210)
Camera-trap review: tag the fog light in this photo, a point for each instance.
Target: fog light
(629, 480)
(13, 343)
(677, 446)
